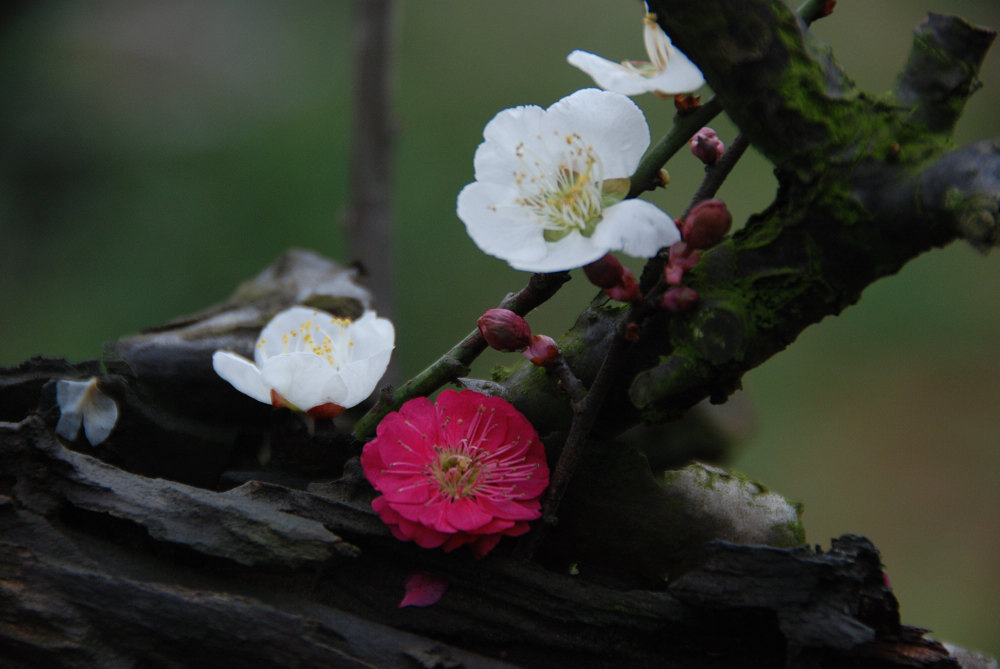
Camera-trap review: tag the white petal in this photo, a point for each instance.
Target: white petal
(636, 227)
(100, 417)
(242, 374)
(572, 251)
(276, 337)
(508, 132)
(609, 122)
(357, 381)
(371, 336)
(300, 378)
(69, 424)
(498, 226)
(609, 75)
(71, 395)
(682, 76)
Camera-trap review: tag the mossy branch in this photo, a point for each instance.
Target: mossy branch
(864, 187)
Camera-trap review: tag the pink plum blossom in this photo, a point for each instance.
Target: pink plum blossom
(467, 469)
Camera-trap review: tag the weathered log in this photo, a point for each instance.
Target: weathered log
(102, 567)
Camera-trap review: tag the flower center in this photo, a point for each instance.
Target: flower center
(328, 340)
(568, 199)
(457, 474)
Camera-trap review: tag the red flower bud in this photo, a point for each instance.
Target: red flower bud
(632, 331)
(828, 7)
(706, 224)
(681, 259)
(504, 330)
(627, 289)
(605, 272)
(706, 146)
(679, 298)
(543, 351)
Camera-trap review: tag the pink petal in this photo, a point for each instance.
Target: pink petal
(423, 589)
(466, 515)
(484, 545)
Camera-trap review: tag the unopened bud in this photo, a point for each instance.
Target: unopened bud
(504, 330)
(706, 146)
(627, 289)
(605, 272)
(542, 351)
(706, 224)
(615, 279)
(679, 298)
(632, 331)
(681, 258)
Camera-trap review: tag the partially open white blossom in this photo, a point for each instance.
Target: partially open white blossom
(667, 72)
(83, 403)
(312, 361)
(550, 183)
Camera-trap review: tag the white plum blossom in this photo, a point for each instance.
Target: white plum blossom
(550, 183)
(311, 361)
(83, 403)
(667, 72)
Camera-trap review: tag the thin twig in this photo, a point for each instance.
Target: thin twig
(585, 413)
(716, 174)
(644, 177)
(456, 361)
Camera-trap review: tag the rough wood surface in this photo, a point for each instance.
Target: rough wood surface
(105, 567)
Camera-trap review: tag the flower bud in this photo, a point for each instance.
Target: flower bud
(706, 224)
(605, 272)
(504, 330)
(679, 298)
(627, 289)
(706, 146)
(542, 351)
(681, 259)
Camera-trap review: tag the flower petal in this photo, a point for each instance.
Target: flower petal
(609, 75)
(242, 374)
(636, 227)
(276, 337)
(301, 379)
(100, 417)
(572, 251)
(497, 225)
(423, 588)
(69, 423)
(609, 122)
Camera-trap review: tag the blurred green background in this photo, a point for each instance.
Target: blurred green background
(156, 153)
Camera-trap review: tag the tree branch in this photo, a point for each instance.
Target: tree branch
(861, 192)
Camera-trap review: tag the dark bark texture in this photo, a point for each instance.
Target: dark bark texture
(232, 536)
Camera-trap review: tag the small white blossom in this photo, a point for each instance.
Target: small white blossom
(667, 72)
(550, 183)
(82, 402)
(312, 361)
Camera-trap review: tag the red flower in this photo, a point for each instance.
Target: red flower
(467, 470)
